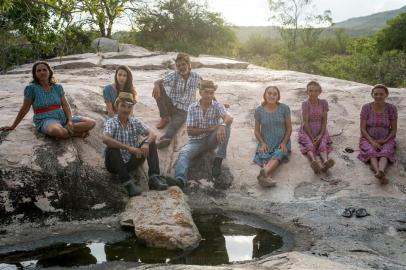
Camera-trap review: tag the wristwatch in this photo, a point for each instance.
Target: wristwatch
(223, 124)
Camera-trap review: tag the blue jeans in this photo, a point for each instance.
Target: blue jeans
(196, 146)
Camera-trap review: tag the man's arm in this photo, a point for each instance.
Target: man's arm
(113, 143)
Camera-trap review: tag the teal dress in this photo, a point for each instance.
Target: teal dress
(41, 98)
(109, 94)
(273, 130)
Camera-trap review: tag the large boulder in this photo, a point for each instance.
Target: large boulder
(162, 219)
(105, 45)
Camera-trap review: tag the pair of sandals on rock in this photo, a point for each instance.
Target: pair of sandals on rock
(359, 213)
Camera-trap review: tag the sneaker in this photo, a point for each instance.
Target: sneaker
(156, 183)
(163, 142)
(164, 121)
(216, 171)
(132, 188)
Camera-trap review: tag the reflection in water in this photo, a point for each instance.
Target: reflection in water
(97, 250)
(74, 255)
(224, 241)
(239, 248)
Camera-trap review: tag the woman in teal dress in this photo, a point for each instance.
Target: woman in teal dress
(123, 82)
(52, 113)
(273, 127)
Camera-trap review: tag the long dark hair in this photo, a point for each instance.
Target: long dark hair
(35, 79)
(128, 86)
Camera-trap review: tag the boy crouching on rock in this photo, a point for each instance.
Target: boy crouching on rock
(124, 153)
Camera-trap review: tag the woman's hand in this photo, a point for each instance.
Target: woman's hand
(381, 142)
(69, 127)
(283, 147)
(7, 128)
(376, 145)
(263, 148)
(316, 140)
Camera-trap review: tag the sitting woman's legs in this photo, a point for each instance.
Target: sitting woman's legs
(271, 166)
(57, 131)
(82, 124)
(374, 164)
(382, 163)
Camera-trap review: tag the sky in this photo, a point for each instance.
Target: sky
(256, 12)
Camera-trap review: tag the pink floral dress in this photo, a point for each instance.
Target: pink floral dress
(315, 116)
(378, 127)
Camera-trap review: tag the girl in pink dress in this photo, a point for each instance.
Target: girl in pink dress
(313, 137)
(378, 131)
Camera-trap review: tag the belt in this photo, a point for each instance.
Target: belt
(47, 109)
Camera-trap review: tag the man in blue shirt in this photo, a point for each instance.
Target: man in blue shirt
(208, 126)
(124, 152)
(174, 93)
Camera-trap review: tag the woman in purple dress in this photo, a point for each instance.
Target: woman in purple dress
(313, 136)
(378, 131)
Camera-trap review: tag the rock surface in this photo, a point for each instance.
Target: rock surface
(162, 219)
(47, 182)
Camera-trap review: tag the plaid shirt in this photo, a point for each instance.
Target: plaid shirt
(196, 118)
(128, 135)
(181, 92)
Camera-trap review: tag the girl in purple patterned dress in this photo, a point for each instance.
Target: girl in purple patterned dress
(378, 131)
(313, 137)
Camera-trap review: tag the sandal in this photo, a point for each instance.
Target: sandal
(361, 212)
(315, 166)
(328, 164)
(263, 180)
(382, 178)
(348, 212)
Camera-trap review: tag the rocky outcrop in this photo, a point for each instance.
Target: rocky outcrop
(105, 45)
(162, 219)
(42, 179)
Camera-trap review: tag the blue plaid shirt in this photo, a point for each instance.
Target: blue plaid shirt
(128, 135)
(196, 118)
(181, 92)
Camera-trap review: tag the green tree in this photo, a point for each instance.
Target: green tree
(184, 25)
(102, 13)
(32, 30)
(393, 36)
(295, 21)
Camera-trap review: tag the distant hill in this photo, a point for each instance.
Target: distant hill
(368, 25)
(356, 27)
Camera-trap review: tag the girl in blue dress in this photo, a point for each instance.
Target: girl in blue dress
(52, 113)
(273, 127)
(123, 82)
